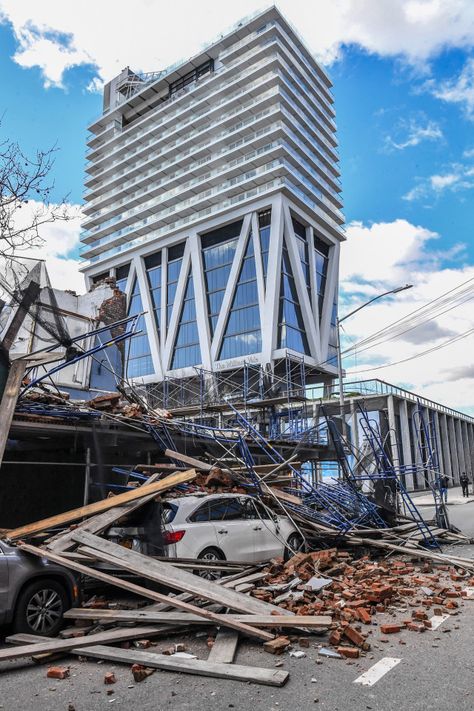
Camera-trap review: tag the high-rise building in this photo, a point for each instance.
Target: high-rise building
(213, 196)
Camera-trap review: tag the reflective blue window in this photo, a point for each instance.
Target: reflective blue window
(154, 272)
(218, 260)
(121, 276)
(303, 251)
(242, 335)
(174, 268)
(139, 355)
(321, 260)
(291, 329)
(264, 221)
(186, 350)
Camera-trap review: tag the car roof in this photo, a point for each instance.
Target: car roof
(197, 498)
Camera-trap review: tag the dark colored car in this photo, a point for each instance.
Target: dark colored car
(34, 593)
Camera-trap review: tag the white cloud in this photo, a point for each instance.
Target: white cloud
(59, 247)
(415, 132)
(56, 35)
(458, 178)
(386, 255)
(459, 90)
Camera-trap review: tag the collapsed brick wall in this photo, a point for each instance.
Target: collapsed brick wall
(112, 310)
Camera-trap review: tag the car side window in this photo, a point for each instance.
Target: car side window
(249, 510)
(234, 510)
(261, 510)
(201, 514)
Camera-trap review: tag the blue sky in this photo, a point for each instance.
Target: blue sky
(403, 73)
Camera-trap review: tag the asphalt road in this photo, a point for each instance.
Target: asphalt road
(436, 672)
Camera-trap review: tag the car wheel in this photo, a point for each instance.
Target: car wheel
(213, 555)
(294, 544)
(40, 608)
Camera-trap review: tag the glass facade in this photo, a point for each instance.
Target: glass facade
(121, 276)
(154, 276)
(186, 350)
(302, 245)
(321, 260)
(218, 254)
(291, 329)
(264, 220)
(138, 347)
(242, 335)
(175, 260)
(332, 349)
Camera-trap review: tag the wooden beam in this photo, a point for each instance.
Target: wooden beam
(214, 669)
(170, 618)
(225, 645)
(166, 574)
(62, 542)
(99, 506)
(144, 592)
(62, 645)
(9, 400)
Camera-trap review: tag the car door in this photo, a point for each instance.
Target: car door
(3, 584)
(269, 541)
(234, 530)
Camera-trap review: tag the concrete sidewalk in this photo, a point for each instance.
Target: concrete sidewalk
(455, 497)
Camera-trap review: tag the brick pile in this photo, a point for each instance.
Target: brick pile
(360, 590)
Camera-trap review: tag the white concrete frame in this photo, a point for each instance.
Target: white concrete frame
(281, 230)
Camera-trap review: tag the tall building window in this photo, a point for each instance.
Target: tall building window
(332, 349)
(121, 276)
(242, 334)
(264, 222)
(139, 354)
(175, 260)
(218, 254)
(303, 251)
(291, 329)
(321, 259)
(186, 350)
(153, 272)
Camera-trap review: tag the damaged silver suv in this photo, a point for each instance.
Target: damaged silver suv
(34, 593)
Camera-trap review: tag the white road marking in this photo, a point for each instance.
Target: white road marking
(377, 671)
(437, 620)
(469, 593)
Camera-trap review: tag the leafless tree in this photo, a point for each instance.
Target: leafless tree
(25, 179)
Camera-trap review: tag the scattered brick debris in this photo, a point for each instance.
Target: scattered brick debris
(58, 672)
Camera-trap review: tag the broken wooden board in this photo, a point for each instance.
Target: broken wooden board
(256, 675)
(62, 542)
(236, 672)
(144, 592)
(319, 622)
(99, 506)
(62, 645)
(225, 645)
(166, 574)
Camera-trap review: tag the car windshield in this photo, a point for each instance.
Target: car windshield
(169, 512)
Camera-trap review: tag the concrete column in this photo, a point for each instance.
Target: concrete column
(392, 424)
(454, 452)
(466, 448)
(405, 435)
(460, 443)
(436, 442)
(445, 459)
(470, 441)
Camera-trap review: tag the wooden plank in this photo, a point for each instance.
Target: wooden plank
(284, 496)
(104, 505)
(9, 400)
(190, 461)
(167, 574)
(144, 592)
(62, 542)
(224, 649)
(62, 645)
(209, 668)
(236, 672)
(150, 616)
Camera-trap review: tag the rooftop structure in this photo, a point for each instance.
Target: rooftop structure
(213, 196)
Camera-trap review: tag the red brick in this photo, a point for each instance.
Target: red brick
(334, 637)
(390, 629)
(349, 652)
(354, 636)
(109, 678)
(57, 672)
(276, 646)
